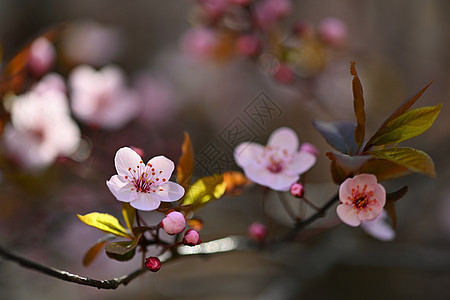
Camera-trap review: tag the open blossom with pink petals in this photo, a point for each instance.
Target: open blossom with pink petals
(144, 186)
(101, 98)
(41, 127)
(279, 164)
(361, 199)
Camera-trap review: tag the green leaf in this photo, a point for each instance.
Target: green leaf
(204, 190)
(339, 134)
(185, 166)
(384, 169)
(397, 195)
(105, 223)
(122, 251)
(128, 213)
(358, 106)
(406, 126)
(92, 253)
(413, 159)
(399, 111)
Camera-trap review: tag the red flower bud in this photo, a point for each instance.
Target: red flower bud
(153, 263)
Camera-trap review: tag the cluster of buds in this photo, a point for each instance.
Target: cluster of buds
(251, 29)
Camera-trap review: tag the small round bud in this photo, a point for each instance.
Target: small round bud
(307, 147)
(257, 231)
(333, 31)
(191, 238)
(248, 45)
(139, 151)
(284, 74)
(297, 190)
(153, 263)
(173, 223)
(42, 56)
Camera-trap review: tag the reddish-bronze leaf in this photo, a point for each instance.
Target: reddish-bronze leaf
(185, 167)
(358, 106)
(394, 196)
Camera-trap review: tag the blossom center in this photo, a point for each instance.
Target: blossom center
(145, 178)
(276, 159)
(361, 199)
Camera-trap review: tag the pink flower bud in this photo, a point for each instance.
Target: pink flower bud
(173, 223)
(297, 190)
(138, 150)
(42, 56)
(307, 147)
(153, 263)
(284, 74)
(247, 45)
(257, 231)
(333, 31)
(191, 238)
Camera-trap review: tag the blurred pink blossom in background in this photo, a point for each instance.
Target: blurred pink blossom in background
(101, 98)
(41, 127)
(379, 228)
(42, 56)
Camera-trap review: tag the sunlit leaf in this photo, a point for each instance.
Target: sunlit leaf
(105, 223)
(394, 196)
(92, 253)
(128, 213)
(358, 106)
(235, 182)
(195, 224)
(400, 110)
(339, 134)
(204, 190)
(406, 126)
(384, 169)
(185, 166)
(413, 159)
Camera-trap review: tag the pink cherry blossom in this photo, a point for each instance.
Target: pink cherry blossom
(42, 56)
(361, 199)
(144, 186)
(191, 238)
(257, 231)
(267, 12)
(379, 228)
(41, 128)
(173, 223)
(308, 147)
(279, 164)
(199, 43)
(153, 263)
(248, 45)
(297, 190)
(333, 31)
(101, 98)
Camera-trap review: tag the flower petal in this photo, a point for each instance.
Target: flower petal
(247, 153)
(275, 181)
(121, 188)
(126, 158)
(345, 191)
(145, 201)
(348, 215)
(169, 191)
(364, 179)
(284, 138)
(301, 163)
(378, 228)
(163, 168)
(380, 195)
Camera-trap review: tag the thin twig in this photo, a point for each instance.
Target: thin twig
(287, 207)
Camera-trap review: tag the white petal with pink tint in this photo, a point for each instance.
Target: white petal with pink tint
(121, 189)
(348, 215)
(285, 138)
(163, 168)
(301, 162)
(145, 202)
(125, 159)
(245, 153)
(169, 191)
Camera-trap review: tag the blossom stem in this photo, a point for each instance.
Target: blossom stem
(312, 205)
(287, 207)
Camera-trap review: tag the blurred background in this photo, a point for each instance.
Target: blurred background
(202, 67)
